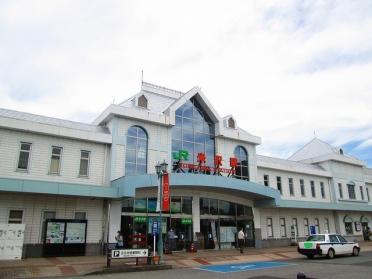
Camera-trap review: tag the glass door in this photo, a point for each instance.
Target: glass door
(248, 228)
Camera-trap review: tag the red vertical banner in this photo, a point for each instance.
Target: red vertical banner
(166, 192)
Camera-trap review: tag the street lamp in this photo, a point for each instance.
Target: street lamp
(161, 169)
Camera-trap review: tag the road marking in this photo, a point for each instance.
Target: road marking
(227, 268)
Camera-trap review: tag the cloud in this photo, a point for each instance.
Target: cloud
(284, 69)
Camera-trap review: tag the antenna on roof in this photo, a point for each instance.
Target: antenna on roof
(141, 77)
(314, 134)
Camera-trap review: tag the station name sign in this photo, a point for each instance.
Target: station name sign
(183, 155)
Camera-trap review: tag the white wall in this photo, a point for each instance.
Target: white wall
(159, 144)
(33, 207)
(39, 161)
(300, 214)
(296, 184)
(226, 148)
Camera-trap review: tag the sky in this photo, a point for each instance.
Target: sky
(286, 70)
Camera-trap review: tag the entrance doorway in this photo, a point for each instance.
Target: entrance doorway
(182, 228)
(248, 228)
(208, 230)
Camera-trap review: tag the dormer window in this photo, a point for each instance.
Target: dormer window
(142, 101)
(231, 123)
(341, 151)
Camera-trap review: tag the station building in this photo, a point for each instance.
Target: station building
(104, 173)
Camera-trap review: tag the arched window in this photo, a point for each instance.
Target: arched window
(136, 151)
(193, 132)
(242, 168)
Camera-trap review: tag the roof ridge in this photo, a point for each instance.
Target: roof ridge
(50, 117)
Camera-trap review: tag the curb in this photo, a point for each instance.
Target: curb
(120, 269)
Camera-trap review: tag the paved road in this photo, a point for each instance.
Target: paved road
(341, 267)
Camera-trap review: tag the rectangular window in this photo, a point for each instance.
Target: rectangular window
(279, 184)
(326, 225)
(361, 192)
(15, 217)
(266, 180)
(322, 191)
(312, 188)
(55, 161)
(351, 190)
(24, 156)
(302, 186)
(269, 227)
(283, 231)
(306, 226)
(290, 183)
(295, 226)
(340, 191)
(80, 215)
(367, 192)
(84, 163)
(317, 229)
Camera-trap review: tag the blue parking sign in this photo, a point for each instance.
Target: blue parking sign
(155, 227)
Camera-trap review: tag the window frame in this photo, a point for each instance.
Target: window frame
(295, 223)
(133, 144)
(322, 190)
(302, 187)
(266, 180)
(347, 224)
(340, 190)
(80, 212)
(306, 225)
(279, 184)
(312, 189)
(351, 191)
(326, 224)
(59, 160)
(88, 163)
(291, 187)
(15, 220)
(269, 227)
(367, 192)
(317, 225)
(283, 227)
(361, 192)
(240, 152)
(28, 158)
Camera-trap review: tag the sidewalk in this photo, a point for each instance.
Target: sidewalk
(68, 266)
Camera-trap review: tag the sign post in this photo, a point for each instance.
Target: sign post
(154, 233)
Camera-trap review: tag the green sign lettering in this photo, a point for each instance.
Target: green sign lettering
(181, 155)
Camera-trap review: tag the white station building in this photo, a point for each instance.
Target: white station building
(103, 173)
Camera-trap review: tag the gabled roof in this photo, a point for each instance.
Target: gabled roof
(197, 93)
(319, 151)
(161, 109)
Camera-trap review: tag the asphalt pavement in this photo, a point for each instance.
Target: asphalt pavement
(343, 267)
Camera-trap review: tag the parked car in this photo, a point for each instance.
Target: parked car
(328, 245)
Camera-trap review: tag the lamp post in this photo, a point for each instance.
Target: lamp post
(161, 169)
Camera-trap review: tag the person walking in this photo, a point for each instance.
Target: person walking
(119, 240)
(241, 240)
